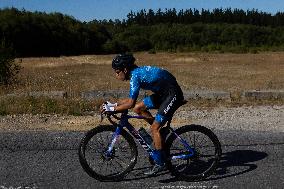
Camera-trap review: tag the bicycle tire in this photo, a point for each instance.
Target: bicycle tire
(192, 169)
(93, 141)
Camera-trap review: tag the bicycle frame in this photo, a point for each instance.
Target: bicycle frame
(124, 123)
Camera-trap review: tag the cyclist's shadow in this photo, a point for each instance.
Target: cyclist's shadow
(232, 164)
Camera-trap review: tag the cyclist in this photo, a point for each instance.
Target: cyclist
(167, 97)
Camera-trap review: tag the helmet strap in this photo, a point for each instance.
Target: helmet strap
(126, 73)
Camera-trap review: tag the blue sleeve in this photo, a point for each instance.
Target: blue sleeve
(134, 87)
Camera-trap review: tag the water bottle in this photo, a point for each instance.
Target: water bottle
(148, 139)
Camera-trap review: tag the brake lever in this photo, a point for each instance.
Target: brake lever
(104, 114)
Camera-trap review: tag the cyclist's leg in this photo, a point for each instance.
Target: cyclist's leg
(150, 102)
(166, 109)
(158, 154)
(155, 130)
(165, 113)
(167, 105)
(141, 109)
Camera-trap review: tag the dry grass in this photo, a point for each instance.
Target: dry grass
(194, 71)
(198, 71)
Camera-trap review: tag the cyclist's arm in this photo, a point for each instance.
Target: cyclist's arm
(122, 101)
(125, 104)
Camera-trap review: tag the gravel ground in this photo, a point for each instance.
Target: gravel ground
(258, 118)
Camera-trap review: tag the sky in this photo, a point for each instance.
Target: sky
(88, 10)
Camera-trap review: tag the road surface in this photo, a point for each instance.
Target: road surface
(41, 159)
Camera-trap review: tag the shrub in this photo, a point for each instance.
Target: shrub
(8, 67)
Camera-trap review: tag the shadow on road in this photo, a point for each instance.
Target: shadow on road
(138, 173)
(232, 164)
(238, 162)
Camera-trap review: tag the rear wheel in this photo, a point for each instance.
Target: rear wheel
(207, 152)
(96, 162)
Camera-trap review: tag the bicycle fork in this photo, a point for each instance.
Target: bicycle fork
(114, 138)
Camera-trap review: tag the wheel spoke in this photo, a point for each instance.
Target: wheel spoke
(205, 157)
(114, 164)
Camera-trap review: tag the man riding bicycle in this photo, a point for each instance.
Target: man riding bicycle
(167, 97)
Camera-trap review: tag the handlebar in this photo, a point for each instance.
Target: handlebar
(110, 114)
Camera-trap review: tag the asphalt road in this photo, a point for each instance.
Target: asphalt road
(49, 160)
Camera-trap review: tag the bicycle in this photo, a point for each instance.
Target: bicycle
(109, 152)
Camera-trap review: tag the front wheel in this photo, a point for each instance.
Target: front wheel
(206, 148)
(104, 166)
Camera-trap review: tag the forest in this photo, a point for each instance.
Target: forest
(219, 30)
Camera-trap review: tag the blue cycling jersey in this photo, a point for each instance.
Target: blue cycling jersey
(150, 78)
